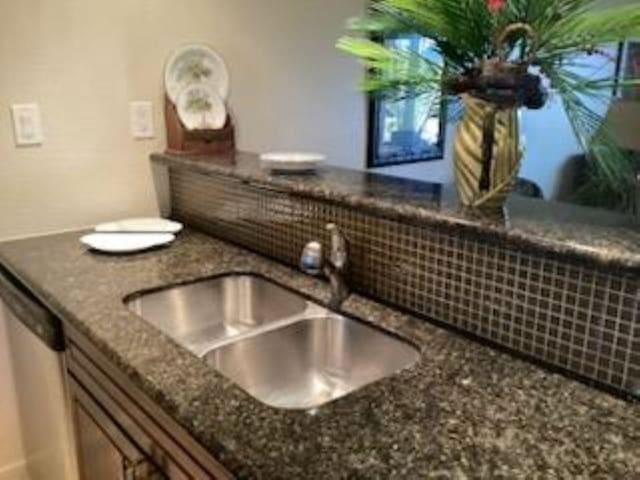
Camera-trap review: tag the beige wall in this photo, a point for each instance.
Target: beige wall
(84, 60)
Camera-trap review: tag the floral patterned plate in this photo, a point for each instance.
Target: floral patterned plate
(201, 108)
(195, 64)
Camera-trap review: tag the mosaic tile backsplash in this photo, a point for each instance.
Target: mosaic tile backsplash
(580, 318)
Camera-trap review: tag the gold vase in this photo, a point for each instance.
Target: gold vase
(487, 154)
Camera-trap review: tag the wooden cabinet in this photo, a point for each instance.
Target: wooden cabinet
(120, 433)
(104, 450)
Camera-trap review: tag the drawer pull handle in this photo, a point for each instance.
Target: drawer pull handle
(142, 469)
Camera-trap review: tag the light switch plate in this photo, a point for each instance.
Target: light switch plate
(141, 120)
(27, 124)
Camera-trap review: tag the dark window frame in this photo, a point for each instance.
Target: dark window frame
(375, 102)
(622, 59)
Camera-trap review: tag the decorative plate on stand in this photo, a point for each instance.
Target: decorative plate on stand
(195, 64)
(201, 108)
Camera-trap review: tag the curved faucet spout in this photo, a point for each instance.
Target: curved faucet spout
(313, 261)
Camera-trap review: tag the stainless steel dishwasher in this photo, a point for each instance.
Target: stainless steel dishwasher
(36, 345)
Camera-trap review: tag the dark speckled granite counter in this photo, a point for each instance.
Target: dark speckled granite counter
(591, 235)
(463, 411)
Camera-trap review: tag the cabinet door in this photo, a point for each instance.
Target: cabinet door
(104, 451)
(157, 438)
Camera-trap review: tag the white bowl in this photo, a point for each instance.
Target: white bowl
(140, 225)
(291, 161)
(126, 242)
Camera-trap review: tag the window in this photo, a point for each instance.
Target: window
(406, 131)
(628, 66)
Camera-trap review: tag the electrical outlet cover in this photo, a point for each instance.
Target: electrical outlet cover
(27, 124)
(141, 120)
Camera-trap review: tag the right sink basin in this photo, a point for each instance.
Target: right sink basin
(311, 362)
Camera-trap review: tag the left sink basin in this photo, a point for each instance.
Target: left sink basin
(202, 315)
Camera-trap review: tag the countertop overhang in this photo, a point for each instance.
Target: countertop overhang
(599, 237)
(463, 409)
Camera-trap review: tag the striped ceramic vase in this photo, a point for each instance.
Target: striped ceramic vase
(487, 154)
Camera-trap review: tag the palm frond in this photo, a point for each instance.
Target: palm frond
(457, 26)
(378, 24)
(585, 30)
(402, 73)
(604, 26)
(610, 170)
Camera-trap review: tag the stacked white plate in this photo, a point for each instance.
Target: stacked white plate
(196, 80)
(132, 235)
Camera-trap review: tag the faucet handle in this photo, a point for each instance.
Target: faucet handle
(312, 258)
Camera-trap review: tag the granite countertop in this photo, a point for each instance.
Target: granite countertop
(463, 411)
(592, 235)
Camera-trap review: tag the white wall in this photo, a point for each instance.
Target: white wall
(292, 88)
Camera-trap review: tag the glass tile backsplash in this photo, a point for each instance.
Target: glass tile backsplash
(581, 318)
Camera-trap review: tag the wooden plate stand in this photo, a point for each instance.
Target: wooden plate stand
(181, 141)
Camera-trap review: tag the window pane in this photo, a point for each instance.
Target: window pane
(407, 130)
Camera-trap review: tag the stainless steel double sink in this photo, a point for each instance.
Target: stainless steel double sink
(281, 348)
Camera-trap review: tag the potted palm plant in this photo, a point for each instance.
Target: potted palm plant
(500, 56)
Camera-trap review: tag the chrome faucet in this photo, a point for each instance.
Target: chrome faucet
(314, 262)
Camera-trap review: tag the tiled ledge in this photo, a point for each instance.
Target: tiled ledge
(598, 237)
